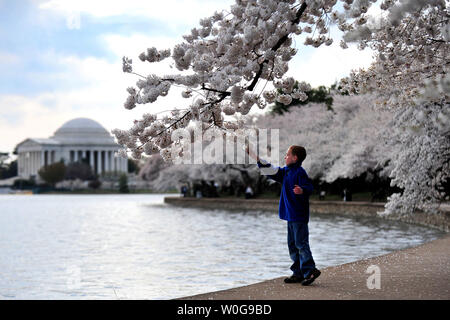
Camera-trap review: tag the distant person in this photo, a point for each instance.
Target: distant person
(294, 207)
(346, 195)
(214, 188)
(184, 191)
(248, 192)
(322, 195)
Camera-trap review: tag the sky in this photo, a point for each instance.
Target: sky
(62, 59)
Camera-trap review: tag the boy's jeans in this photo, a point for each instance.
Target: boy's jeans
(298, 243)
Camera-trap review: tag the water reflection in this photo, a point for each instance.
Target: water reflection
(135, 247)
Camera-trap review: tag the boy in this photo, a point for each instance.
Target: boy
(294, 207)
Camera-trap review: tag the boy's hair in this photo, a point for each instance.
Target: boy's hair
(298, 151)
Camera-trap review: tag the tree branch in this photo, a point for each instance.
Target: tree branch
(276, 47)
(224, 93)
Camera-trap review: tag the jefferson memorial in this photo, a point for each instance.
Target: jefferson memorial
(80, 139)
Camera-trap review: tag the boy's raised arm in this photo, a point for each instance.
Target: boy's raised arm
(275, 173)
(251, 153)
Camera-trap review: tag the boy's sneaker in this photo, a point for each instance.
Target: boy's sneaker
(294, 279)
(311, 277)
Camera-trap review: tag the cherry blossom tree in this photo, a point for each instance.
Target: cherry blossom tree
(421, 163)
(410, 75)
(341, 143)
(237, 59)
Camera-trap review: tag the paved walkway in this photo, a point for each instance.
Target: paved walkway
(421, 272)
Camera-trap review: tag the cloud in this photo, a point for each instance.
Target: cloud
(326, 65)
(100, 97)
(40, 115)
(22, 118)
(9, 59)
(178, 12)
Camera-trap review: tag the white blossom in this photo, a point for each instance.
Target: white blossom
(299, 95)
(186, 94)
(150, 148)
(270, 96)
(285, 99)
(153, 55)
(127, 65)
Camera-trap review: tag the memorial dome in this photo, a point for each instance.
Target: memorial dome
(83, 131)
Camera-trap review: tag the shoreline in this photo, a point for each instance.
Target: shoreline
(349, 209)
(415, 273)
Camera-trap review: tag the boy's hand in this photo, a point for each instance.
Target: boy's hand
(297, 190)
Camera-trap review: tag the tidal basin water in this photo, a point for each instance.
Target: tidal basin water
(136, 247)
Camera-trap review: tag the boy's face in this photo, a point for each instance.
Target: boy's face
(289, 157)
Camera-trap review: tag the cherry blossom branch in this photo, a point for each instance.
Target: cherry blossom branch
(276, 47)
(225, 93)
(437, 40)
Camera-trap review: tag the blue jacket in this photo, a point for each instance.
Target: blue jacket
(292, 207)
